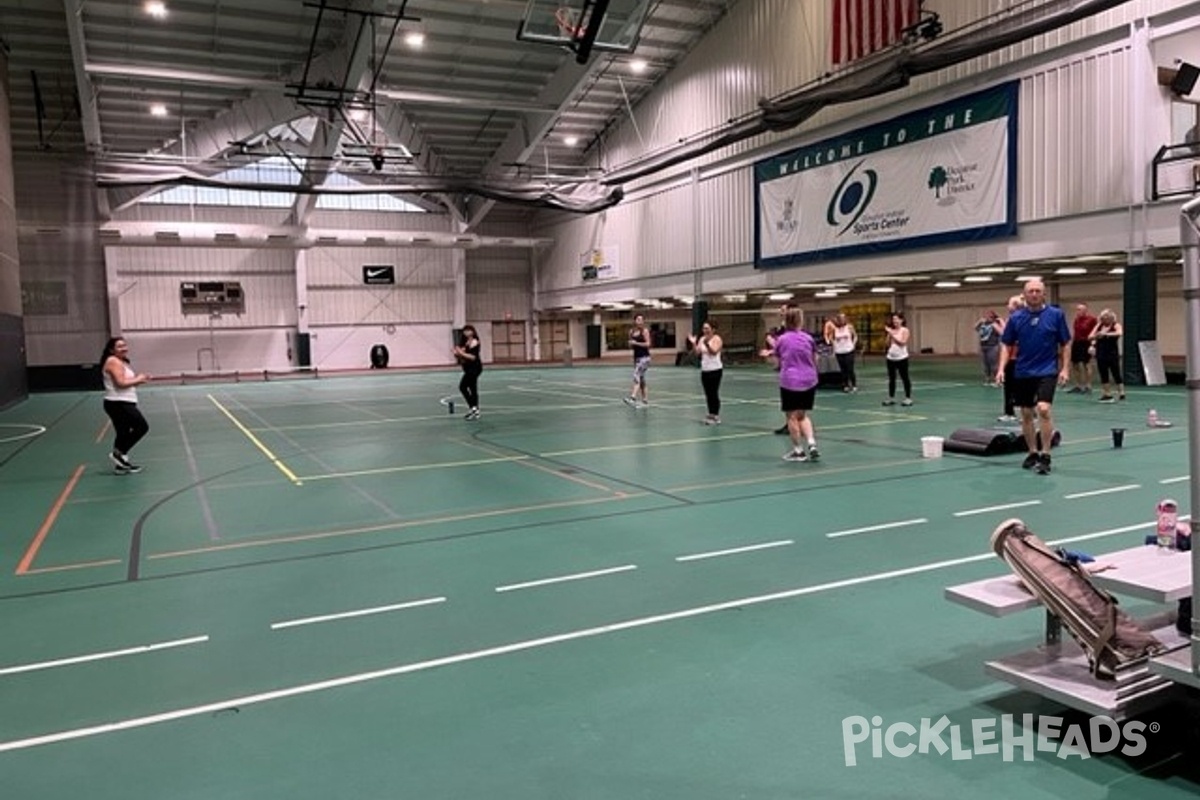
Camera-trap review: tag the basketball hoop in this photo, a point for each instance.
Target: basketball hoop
(568, 22)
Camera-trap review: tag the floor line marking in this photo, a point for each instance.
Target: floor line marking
(1109, 490)
(735, 550)
(578, 576)
(873, 528)
(103, 431)
(359, 473)
(388, 526)
(723, 437)
(499, 650)
(51, 516)
(556, 472)
(291, 476)
(362, 612)
(970, 512)
(108, 562)
(1180, 479)
(128, 651)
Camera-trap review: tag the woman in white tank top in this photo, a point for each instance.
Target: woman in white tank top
(121, 403)
(845, 342)
(708, 345)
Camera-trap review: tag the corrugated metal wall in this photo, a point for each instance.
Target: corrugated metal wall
(1074, 136)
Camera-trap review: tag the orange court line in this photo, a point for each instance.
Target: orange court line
(48, 522)
(103, 431)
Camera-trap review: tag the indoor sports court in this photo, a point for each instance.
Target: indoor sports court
(334, 587)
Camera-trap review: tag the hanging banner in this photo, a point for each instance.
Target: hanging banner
(599, 264)
(939, 175)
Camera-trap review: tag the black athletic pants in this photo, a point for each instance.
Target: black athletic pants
(846, 365)
(128, 422)
(900, 368)
(469, 387)
(711, 381)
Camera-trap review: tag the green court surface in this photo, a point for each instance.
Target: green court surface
(334, 588)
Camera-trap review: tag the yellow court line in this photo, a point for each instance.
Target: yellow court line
(558, 473)
(48, 523)
(391, 526)
(724, 437)
(412, 468)
(800, 474)
(291, 476)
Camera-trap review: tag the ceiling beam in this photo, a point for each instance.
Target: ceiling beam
(86, 93)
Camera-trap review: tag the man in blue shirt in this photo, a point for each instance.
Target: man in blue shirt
(1037, 336)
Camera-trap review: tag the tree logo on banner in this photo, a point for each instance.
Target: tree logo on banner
(851, 198)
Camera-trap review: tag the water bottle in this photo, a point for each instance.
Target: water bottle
(450, 405)
(1168, 520)
(1152, 418)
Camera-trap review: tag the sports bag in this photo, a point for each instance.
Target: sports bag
(1110, 638)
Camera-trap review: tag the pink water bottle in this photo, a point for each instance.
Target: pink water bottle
(1168, 520)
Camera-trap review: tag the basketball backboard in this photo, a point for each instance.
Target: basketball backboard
(565, 22)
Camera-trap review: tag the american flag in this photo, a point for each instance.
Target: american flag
(860, 27)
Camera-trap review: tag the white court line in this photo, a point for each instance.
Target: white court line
(873, 528)
(1180, 479)
(735, 550)
(363, 612)
(499, 650)
(579, 576)
(1110, 490)
(973, 511)
(129, 651)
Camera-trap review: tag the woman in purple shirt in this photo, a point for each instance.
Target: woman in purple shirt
(797, 354)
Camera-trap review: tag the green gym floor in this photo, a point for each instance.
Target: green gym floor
(333, 588)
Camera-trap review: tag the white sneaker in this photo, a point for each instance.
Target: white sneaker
(472, 414)
(795, 455)
(630, 401)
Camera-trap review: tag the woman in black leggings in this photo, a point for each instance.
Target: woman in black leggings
(468, 355)
(121, 403)
(897, 359)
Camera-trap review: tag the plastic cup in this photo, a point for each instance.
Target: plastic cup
(1118, 435)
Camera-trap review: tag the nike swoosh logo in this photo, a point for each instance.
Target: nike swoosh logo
(375, 273)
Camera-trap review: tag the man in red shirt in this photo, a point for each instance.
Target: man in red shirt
(1081, 360)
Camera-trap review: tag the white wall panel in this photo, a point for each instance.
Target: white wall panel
(498, 284)
(415, 345)
(221, 349)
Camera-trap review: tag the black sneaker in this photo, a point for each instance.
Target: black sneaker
(1043, 465)
(132, 469)
(782, 431)
(813, 453)
(1031, 461)
(889, 402)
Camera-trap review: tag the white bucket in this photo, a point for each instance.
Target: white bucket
(931, 446)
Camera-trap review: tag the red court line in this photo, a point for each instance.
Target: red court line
(48, 522)
(103, 430)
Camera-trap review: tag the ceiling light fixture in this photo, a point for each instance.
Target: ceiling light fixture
(638, 66)
(883, 290)
(1117, 271)
(1027, 278)
(156, 9)
(947, 285)
(825, 294)
(158, 110)
(414, 38)
(977, 279)
(570, 141)
(779, 297)
(1071, 271)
